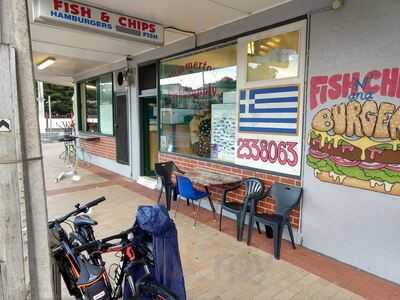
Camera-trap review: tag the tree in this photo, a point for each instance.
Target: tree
(61, 99)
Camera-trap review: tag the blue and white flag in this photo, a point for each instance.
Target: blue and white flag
(269, 110)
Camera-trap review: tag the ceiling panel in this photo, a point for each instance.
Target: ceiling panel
(57, 35)
(77, 50)
(172, 36)
(64, 66)
(194, 15)
(252, 6)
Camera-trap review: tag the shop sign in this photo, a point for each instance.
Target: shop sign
(355, 140)
(268, 129)
(92, 18)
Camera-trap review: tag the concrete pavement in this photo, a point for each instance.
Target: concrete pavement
(216, 266)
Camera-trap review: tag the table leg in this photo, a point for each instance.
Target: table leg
(168, 191)
(211, 203)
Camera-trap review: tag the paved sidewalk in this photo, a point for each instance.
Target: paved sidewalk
(216, 266)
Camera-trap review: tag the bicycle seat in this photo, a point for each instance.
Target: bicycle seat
(83, 220)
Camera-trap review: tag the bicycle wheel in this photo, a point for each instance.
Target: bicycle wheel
(156, 291)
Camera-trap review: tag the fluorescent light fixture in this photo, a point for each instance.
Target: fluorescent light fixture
(250, 48)
(90, 87)
(46, 63)
(271, 44)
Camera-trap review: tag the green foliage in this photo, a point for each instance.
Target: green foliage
(61, 99)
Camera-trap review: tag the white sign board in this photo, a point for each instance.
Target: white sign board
(268, 130)
(269, 133)
(92, 18)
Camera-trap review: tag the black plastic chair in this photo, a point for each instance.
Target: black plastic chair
(286, 198)
(164, 171)
(254, 189)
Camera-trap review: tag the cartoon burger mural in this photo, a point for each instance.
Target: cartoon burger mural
(357, 144)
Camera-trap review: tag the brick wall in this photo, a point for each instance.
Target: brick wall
(103, 147)
(266, 206)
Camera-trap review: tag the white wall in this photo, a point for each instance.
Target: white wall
(359, 227)
(112, 165)
(134, 123)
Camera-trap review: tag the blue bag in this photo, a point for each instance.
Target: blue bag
(167, 261)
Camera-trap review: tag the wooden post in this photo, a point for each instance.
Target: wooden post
(24, 249)
(11, 185)
(3, 285)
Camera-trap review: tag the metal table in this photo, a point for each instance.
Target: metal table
(209, 178)
(68, 155)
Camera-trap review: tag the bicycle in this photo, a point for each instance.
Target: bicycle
(61, 243)
(132, 278)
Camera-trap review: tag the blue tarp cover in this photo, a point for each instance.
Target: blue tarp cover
(168, 267)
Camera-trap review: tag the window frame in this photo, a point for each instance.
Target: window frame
(242, 55)
(112, 104)
(272, 35)
(299, 80)
(235, 40)
(231, 42)
(79, 102)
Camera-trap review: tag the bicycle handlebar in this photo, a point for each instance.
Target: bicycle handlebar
(87, 246)
(79, 210)
(96, 201)
(99, 244)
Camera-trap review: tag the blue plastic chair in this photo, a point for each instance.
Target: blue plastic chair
(187, 191)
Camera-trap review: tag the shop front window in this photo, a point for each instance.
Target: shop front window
(96, 104)
(91, 106)
(275, 57)
(198, 104)
(106, 104)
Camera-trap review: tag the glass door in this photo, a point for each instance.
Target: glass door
(149, 135)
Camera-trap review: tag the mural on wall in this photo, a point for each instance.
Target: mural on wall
(268, 129)
(355, 139)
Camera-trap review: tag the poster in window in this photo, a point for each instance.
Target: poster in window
(223, 126)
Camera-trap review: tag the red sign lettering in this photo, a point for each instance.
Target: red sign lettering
(284, 153)
(73, 9)
(386, 82)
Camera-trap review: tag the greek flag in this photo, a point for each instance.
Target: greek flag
(269, 110)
